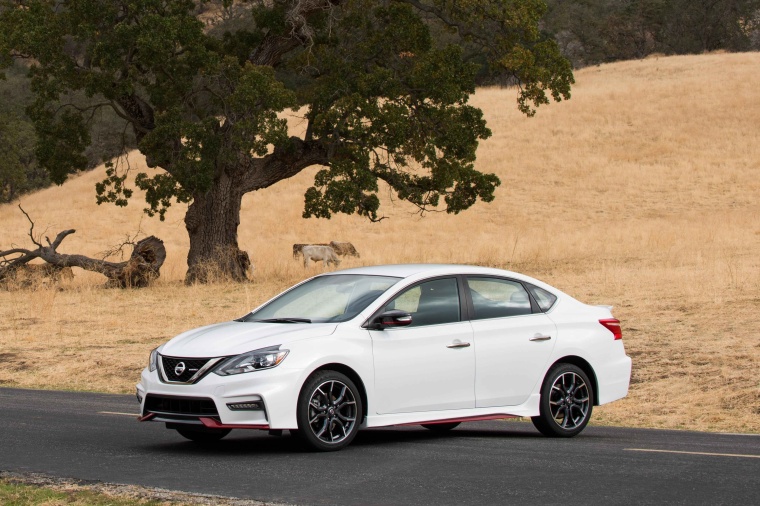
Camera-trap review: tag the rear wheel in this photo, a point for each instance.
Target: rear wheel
(329, 411)
(440, 427)
(204, 435)
(567, 400)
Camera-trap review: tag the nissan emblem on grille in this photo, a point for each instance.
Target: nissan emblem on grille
(179, 369)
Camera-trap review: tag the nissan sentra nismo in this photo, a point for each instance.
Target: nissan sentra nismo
(430, 345)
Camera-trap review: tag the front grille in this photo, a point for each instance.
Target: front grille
(182, 370)
(183, 406)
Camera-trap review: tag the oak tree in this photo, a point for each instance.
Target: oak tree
(382, 100)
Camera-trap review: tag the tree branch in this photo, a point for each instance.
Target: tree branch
(461, 28)
(283, 163)
(271, 50)
(31, 228)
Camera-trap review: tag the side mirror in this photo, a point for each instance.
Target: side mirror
(390, 319)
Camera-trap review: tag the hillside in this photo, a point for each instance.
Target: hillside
(640, 192)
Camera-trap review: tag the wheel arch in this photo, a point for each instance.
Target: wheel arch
(352, 375)
(585, 367)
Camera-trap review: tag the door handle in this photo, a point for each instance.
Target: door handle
(539, 337)
(458, 345)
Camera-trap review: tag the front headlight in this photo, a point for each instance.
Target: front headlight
(153, 360)
(265, 358)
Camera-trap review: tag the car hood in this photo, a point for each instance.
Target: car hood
(233, 338)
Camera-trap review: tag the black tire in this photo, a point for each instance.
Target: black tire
(204, 435)
(329, 411)
(440, 427)
(567, 399)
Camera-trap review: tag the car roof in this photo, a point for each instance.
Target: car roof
(427, 270)
(412, 273)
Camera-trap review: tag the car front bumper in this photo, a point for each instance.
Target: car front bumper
(207, 402)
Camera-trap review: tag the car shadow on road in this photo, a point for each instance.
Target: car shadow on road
(242, 442)
(385, 435)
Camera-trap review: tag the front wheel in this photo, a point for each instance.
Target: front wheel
(329, 411)
(204, 436)
(567, 399)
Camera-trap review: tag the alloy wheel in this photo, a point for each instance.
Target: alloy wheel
(569, 400)
(332, 412)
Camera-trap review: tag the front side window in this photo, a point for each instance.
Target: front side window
(332, 298)
(497, 298)
(430, 303)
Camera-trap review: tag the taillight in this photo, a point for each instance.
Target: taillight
(613, 325)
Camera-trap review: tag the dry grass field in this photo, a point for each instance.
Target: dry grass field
(640, 192)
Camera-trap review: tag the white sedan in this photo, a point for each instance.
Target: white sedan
(430, 345)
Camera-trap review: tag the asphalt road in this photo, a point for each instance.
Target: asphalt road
(93, 437)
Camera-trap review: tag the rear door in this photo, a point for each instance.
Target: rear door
(513, 341)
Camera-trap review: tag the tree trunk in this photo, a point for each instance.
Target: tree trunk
(212, 223)
(213, 217)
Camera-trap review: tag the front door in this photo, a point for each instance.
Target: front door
(429, 365)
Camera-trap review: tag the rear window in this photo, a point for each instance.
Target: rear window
(544, 299)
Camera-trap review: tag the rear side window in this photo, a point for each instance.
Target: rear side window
(497, 298)
(545, 299)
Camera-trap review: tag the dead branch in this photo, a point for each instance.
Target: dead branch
(31, 227)
(140, 270)
(119, 248)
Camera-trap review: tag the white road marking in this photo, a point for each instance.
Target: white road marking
(694, 453)
(116, 413)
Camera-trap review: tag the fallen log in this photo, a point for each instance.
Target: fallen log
(139, 271)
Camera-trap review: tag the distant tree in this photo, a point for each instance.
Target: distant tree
(18, 171)
(380, 98)
(696, 26)
(597, 31)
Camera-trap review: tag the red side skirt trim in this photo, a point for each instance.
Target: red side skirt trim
(463, 419)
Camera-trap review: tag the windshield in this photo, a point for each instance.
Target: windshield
(334, 298)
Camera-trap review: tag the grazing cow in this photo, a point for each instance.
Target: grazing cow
(316, 253)
(298, 247)
(344, 248)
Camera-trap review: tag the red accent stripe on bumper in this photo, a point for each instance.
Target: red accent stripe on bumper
(213, 424)
(463, 419)
(145, 418)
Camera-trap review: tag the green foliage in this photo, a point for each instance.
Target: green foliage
(694, 26)
(596, 31)
(19, 172)
(383, 92)
(403, 105)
